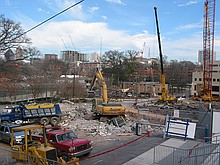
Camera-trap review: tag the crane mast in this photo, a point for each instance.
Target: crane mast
(208, 47)
(163, 85)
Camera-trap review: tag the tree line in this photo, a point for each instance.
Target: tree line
(18, 77)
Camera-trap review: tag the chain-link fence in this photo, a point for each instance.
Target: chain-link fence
(206, 154)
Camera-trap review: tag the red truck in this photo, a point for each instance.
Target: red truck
(66, 142)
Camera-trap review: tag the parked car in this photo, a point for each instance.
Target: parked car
(6, 130)
(66, 142)
(129, 95)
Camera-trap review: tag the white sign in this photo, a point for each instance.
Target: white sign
(176, 113)
(179, 128)
(215, 125)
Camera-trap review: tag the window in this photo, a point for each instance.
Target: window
(200, 79)
(214, 79)
(2, 128)
(66, 136)
(53, 138)
(19, 110)
(215, 88)
(195, 79)
(7, 130)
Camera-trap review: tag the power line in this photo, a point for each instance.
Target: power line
(49, 19)
(72, 43)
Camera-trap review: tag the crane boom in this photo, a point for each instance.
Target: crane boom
(159, 42)
(208, 48)
(164, 97)
(163, 85)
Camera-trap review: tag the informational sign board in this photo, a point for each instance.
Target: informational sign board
(176, 113)
(216, 125)
(180, 128)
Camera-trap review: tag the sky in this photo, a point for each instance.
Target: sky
(103, 25)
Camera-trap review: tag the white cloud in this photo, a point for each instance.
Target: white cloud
(41, 10)
(190, 26)
(86, 37)
(217, 47)
(75, 12)
(188, 3)
(93, 9)
(116, 1)
(104, 17)
(7, 3)
(183, 49)
(26, 22)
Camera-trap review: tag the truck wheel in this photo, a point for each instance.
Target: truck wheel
(65, 157)
(18, 121)
(44, 121)
(5, 122)
(54, 121)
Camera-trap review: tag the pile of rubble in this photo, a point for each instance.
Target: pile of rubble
(75, 120)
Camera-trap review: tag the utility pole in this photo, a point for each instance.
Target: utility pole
(74, 76)
(136, 91)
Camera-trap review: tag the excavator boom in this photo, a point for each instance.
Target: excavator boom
(98, 75)
(102, 107)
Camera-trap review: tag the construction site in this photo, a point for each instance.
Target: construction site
(137, 123)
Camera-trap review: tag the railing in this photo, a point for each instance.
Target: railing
(206, 152)
(166, 155)
(215, 138)
(24, 97)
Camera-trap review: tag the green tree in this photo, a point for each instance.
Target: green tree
(120, 65)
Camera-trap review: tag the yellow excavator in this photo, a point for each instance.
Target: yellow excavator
(164, 97)
(101, 107)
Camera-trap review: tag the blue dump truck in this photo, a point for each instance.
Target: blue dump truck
(42, 113)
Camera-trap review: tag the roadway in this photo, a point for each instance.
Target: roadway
(110, 154)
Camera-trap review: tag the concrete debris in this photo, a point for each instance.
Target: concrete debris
(77, 120)
(81, 119)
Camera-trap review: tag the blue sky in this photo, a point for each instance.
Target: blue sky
(114, 24)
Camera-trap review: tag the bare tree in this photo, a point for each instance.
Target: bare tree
(10, 84)
(35, 85)
(11, 35)
(30, 52)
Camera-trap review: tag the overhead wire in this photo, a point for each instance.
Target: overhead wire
(49, 19)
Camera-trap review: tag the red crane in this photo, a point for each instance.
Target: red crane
(208, 48)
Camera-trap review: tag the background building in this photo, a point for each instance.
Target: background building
(51, 56)
(200, 57)
(72, 56)
(197, 80)
(94, 57)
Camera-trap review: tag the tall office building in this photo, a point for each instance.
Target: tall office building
(200, 57)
